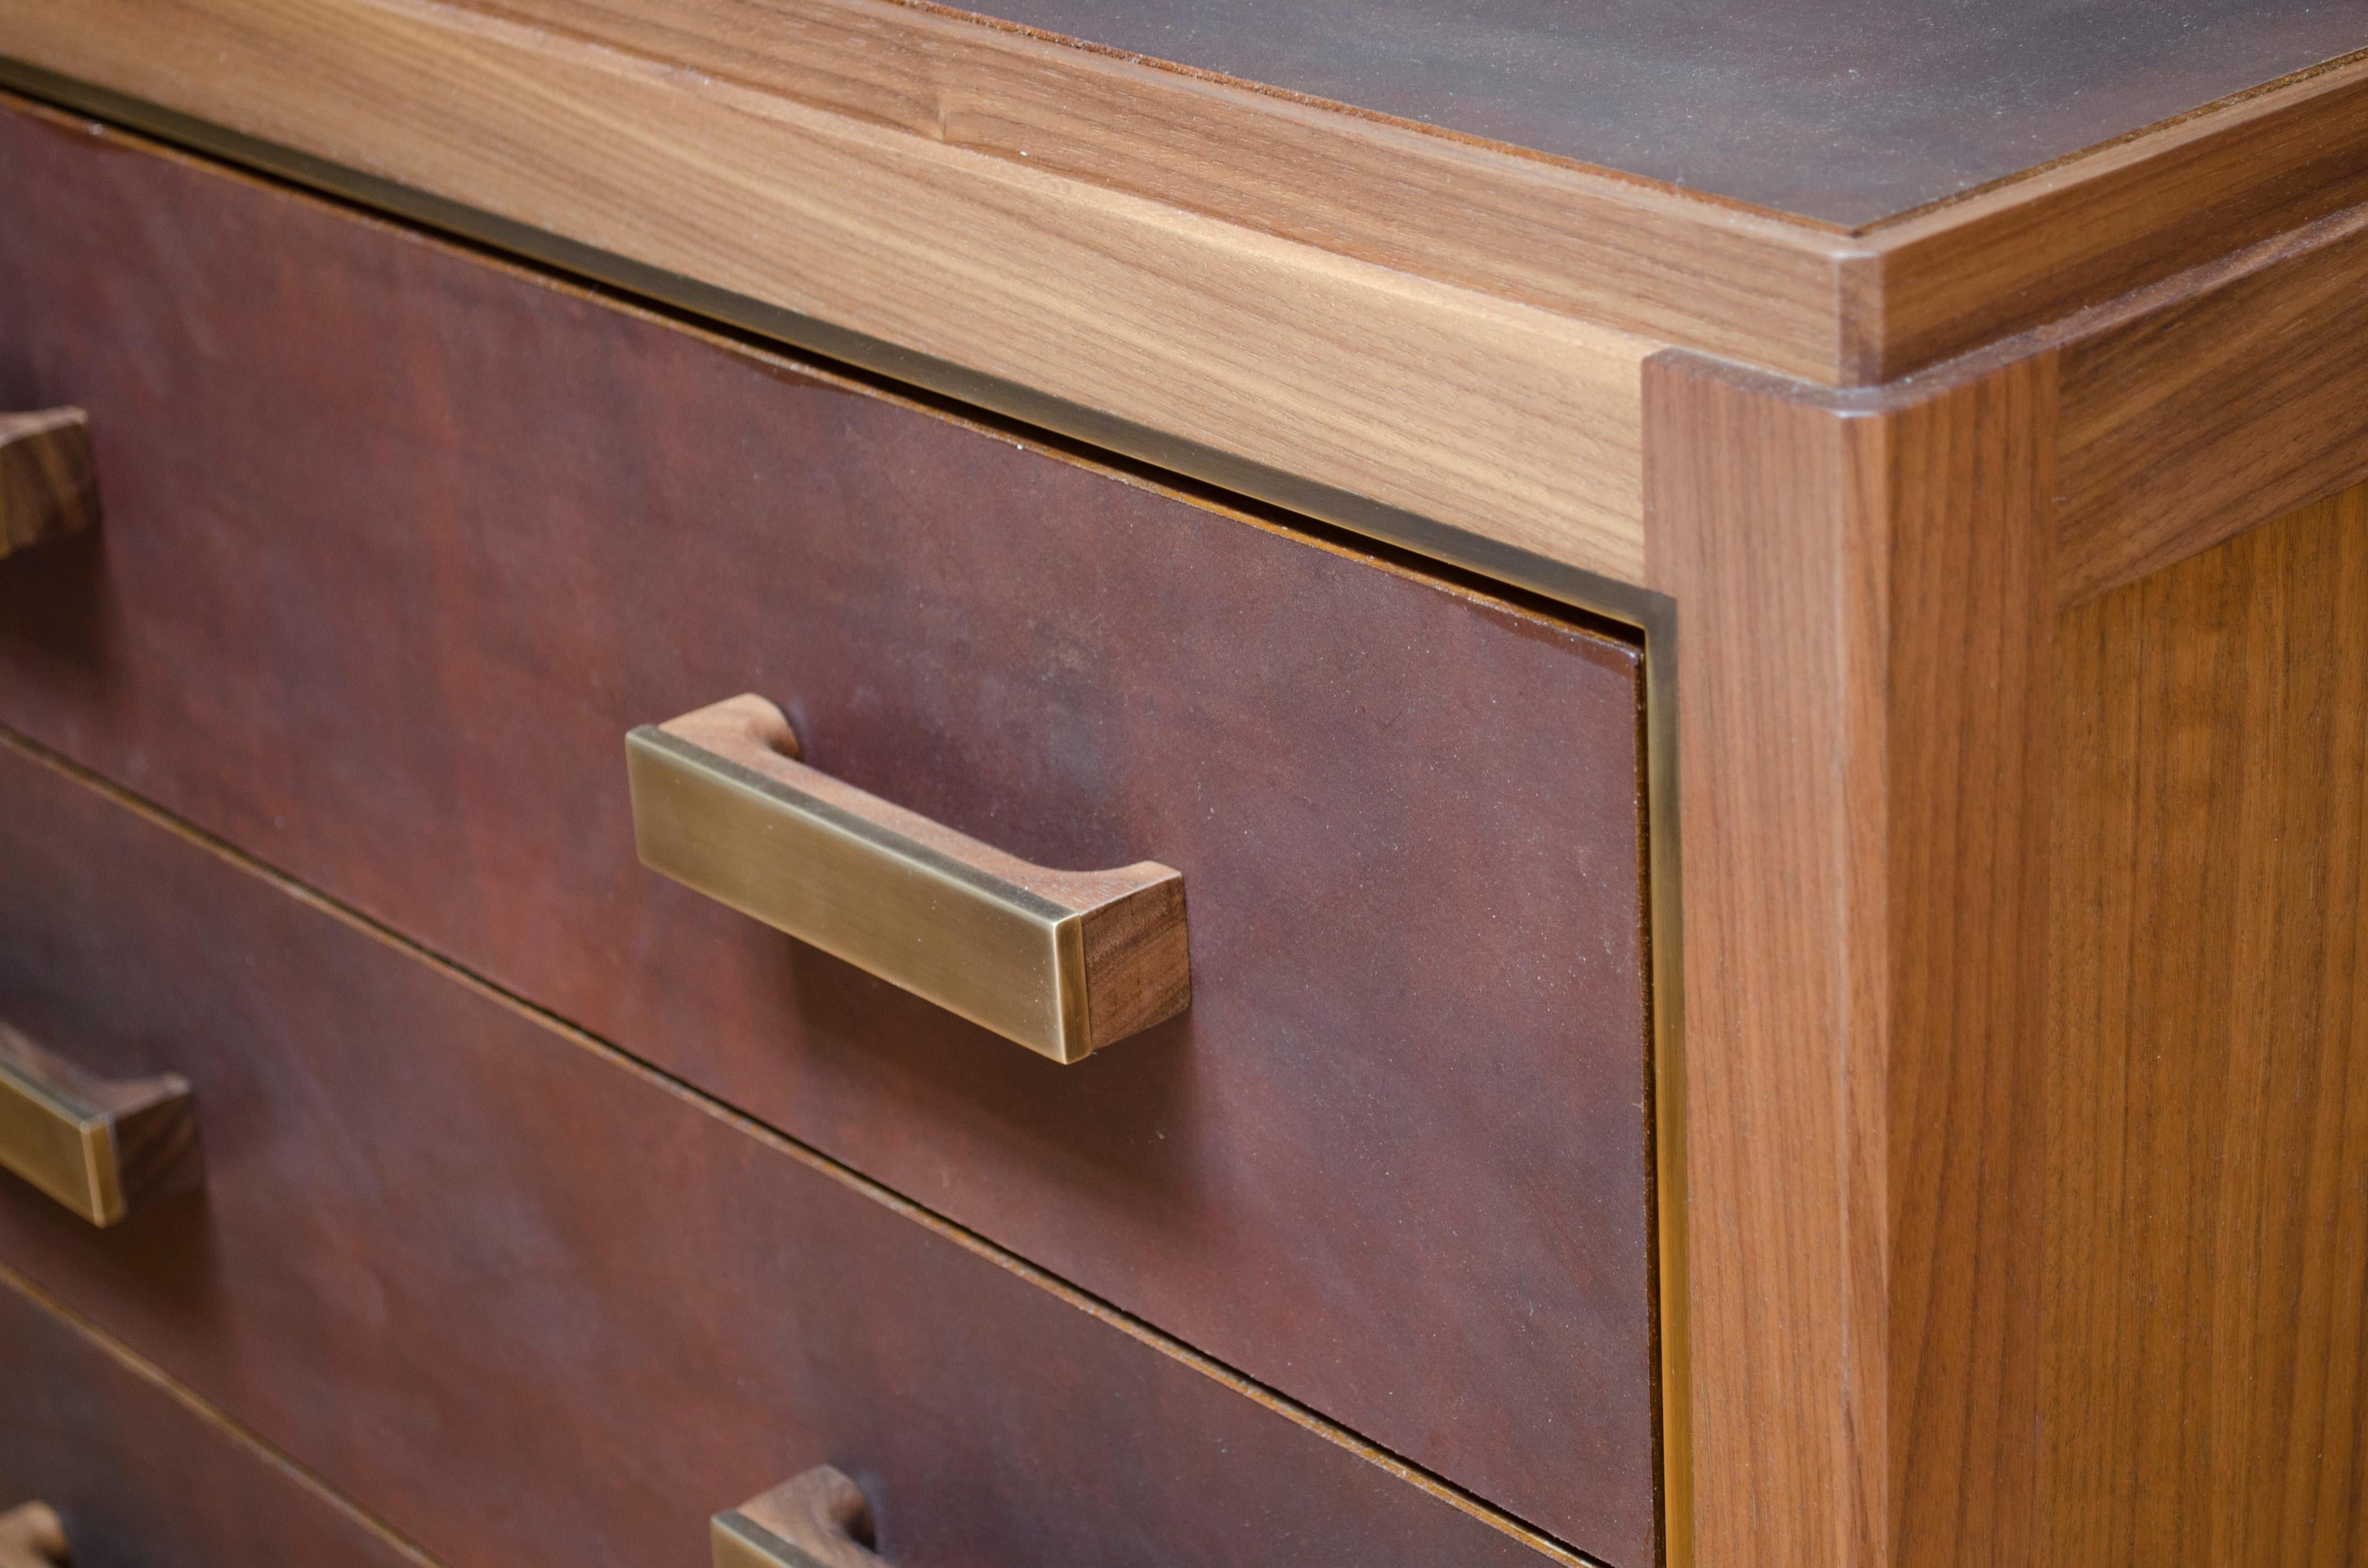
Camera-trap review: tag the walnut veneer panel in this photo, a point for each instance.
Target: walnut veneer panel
(399, 545)
(138, 1473)
(2207, 1259)
(534, 1306)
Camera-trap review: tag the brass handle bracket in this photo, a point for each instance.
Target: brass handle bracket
(33, 1536)
(1064, 963)
(818, 1520)
(48, 485)
(101, 1147)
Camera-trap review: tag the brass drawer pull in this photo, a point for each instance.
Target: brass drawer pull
(1064, 963)
(101, 1148)
(816, 1520)
(48, 485)
(32, 1537)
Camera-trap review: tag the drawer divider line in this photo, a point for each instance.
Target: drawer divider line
(1093, 1306)
(147, 1372)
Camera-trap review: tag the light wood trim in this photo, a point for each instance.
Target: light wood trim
(2225, 403)
(1543, 231)
(1865, 603)
(1503, 420)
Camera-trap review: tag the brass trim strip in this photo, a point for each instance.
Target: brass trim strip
(1652, 616)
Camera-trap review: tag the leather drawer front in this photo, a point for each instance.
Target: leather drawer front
(532, 1305)
(139, 1477)
(399, 544)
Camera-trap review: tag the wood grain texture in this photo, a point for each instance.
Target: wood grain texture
(531, 1302)
(2123, 218)
(958, 187)
(404, 529)
(48, 487)
(2208, 1087)
(1968, 665)
(2218, 409)
(140, 1473)
(1654, 262)
(1510, 422)
(1864, 589)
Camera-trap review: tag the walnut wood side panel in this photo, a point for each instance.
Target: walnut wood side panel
(140, 1473)
(1865, 589)
(2207, 1081)
(402, 531)
(531, 1303)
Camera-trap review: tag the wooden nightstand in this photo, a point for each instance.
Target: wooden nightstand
(1532, 783)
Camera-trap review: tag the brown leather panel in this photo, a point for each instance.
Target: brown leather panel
(533, 1307)
(1828, 109)
(137, 1475)
(399, 546)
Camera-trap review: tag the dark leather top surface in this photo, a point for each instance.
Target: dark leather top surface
(1829, 109)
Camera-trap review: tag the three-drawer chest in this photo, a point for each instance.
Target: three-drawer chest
(812, 783)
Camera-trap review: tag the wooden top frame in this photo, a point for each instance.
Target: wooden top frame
(1365, 320)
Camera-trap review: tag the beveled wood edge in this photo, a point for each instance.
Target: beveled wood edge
(1631, 255)
(1548, 1549)
(1967, 273)
(130, 1361)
